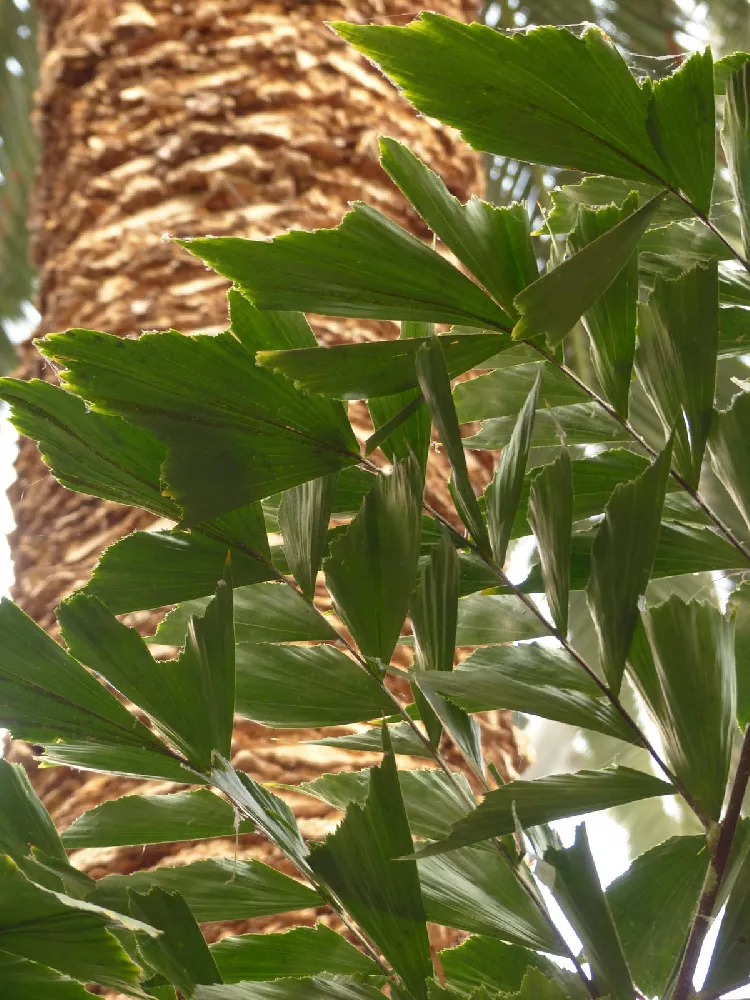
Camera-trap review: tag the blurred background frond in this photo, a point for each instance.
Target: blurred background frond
(18, 154)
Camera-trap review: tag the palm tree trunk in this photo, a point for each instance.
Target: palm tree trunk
(243, 117)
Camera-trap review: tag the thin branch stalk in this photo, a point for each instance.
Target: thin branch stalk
(714, 878)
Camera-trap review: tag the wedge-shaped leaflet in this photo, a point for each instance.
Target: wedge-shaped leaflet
(555, 797)
(475, 890)
(611, 320)
(221, 889)
(678, 333)
(596, 192)
(89, 452)
(695, 692)
(511, 100)
(432, 801)
(739, 604)
(378, 368)
(493, 243)
(154, 819)
(65, 934)
(482, 961)
(729, 446)
(682, 126)
(47, 697)
(180, 952)
(24, 822)
(191, 699)
(323, 272)
(303, 951)
(652, 905)
(550, 514)
(557, 300)
(532, 679)
(434, 615)
(299, 686)
(371, 569)
(503, 494)
(621, 560)
(26, 980)
(316, 988)
(434, 381)
(502, 393)
(150, 569)
(434, 618)
(487, 619)
(402, 738)
(264, 330)
(581, 423)
(304, 514)
(267, 612)
(267, 811)
(730, 962)
(381, 893)
(734, 139)
(402, 421)
(681, 549)
(578, 891)
(234, 432)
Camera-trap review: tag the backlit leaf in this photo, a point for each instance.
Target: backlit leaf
(503, 494)
(65, 934)
(532, 679)
(692, 645)
(729, 447)
(621, 560)
(734, 138)
(382, 894)
(192, 698)
(316, 988)
(216, 889)
(547, 799)
(682, 126)
(434, 382)
(550, 514)
(402, 421)
(502, 393)
(486, 619)
(492, 242)
(266, 612)
(611, 320)
(48, 696)
(321, 272)
(89, 452)
(505, 92)
(180, 952)
(379, 367)
(301, 686)
(578, 891)
(303, 951)
(676, 360)
(371, 568)
(149, 569)
(154, 819)
(557, 300)
(234, 432)
(304, 514)
(652, 905)
(26, 980)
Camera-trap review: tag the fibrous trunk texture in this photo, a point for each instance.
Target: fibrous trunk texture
(167, 118)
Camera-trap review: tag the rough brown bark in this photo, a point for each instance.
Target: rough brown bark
(243, 117)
